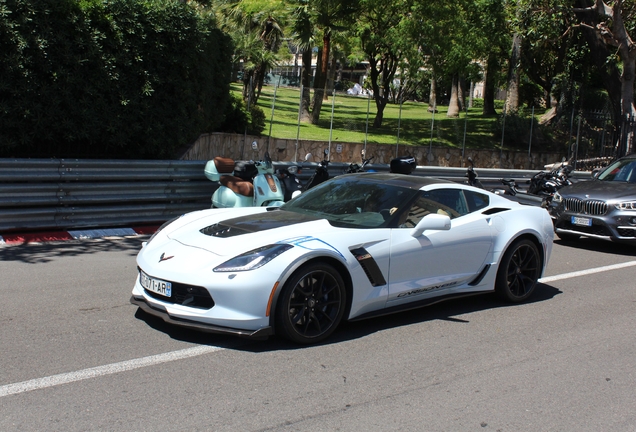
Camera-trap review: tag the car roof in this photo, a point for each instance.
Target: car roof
(401, 180)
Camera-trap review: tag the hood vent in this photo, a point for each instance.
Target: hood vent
(222, 231)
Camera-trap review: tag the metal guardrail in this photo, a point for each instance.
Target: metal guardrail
(64, 194)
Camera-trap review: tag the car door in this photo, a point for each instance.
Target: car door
(438, 262)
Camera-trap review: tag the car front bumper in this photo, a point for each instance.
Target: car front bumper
(158, 311)
(615, 226)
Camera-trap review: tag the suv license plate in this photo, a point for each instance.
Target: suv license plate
(581, 221)
(155, 285)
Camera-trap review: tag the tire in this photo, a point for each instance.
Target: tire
(311, 304)
(518, 271)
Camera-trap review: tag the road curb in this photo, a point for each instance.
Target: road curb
(43, 237)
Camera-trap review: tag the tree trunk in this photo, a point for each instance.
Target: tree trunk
(432, 96)
(379, 116)
(331, 77)
(489, 86)
(317, 79)
(461, 93)
(305, 79)
(512, 99)
(320, 81)
(453, 105)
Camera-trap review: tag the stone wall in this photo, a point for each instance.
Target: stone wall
(239, 147)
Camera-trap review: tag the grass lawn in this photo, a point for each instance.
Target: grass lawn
(416, 125)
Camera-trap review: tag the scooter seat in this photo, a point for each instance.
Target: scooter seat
(237, 185)
(224, 165)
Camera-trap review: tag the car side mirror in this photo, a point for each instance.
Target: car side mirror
(432, 221)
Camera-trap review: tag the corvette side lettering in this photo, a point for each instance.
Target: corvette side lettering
(423, 290)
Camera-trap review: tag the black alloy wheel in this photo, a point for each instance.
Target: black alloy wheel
(312, 304)
(518, 271)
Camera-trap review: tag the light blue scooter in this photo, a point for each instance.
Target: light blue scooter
(253, 185)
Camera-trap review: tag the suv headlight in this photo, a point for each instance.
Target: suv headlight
(626, 205)
(253, 259)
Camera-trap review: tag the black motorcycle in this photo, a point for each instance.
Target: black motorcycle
(321, 174)
(355, 168)
(542, 186)
(471, 175)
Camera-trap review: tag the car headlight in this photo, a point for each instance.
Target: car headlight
(253, 259)
(557, 198)
(626, 205)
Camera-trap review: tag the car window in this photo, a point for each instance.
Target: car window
(476, 201)
(621, 171)
(450, 202)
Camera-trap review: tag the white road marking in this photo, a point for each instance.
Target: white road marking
(65, 378)
(587, 272)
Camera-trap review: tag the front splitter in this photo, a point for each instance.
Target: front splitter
(262, 333)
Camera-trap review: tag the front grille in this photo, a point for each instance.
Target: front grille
(186, 295)
(590, 207)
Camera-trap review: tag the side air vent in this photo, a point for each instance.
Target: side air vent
(494, 210)
(369, 266)
(480, 276)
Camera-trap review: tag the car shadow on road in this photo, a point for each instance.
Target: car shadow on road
(597, 245)
(35, 253)
(447, 310)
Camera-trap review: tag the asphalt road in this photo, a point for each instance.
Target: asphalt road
(75, 355)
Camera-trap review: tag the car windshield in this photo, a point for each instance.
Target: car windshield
(354, 202)
(623, 170)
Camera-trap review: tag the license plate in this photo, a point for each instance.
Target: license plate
(155, 285)
(581, 221)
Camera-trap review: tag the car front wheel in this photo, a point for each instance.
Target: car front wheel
(312, 304)
(518, 271)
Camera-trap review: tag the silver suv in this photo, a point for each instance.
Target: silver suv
(603, 208)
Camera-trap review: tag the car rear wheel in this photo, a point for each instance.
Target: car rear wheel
(518, 271)
(312, 304)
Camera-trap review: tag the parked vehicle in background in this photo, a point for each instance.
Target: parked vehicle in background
(244, 184)
(289, 180)
(321, 174)
(603, 208)
(354, 167)
(541, 187)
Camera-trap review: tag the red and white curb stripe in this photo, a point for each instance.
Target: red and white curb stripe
(42, 237)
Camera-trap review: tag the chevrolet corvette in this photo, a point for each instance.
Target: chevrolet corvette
(357, 246)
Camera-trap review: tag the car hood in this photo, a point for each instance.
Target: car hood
(599, 190)
(229, 234)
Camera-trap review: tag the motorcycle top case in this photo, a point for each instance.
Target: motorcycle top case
(403, 165)
(245, 170)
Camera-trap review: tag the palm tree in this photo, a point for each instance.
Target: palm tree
(257, 35)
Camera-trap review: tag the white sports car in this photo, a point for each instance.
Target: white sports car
(357, 246)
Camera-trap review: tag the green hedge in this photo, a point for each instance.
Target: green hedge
(109, 78)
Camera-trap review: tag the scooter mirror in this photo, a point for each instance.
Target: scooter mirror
(362, 152)
(307, 157)
(254, 145)
(326, 152)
